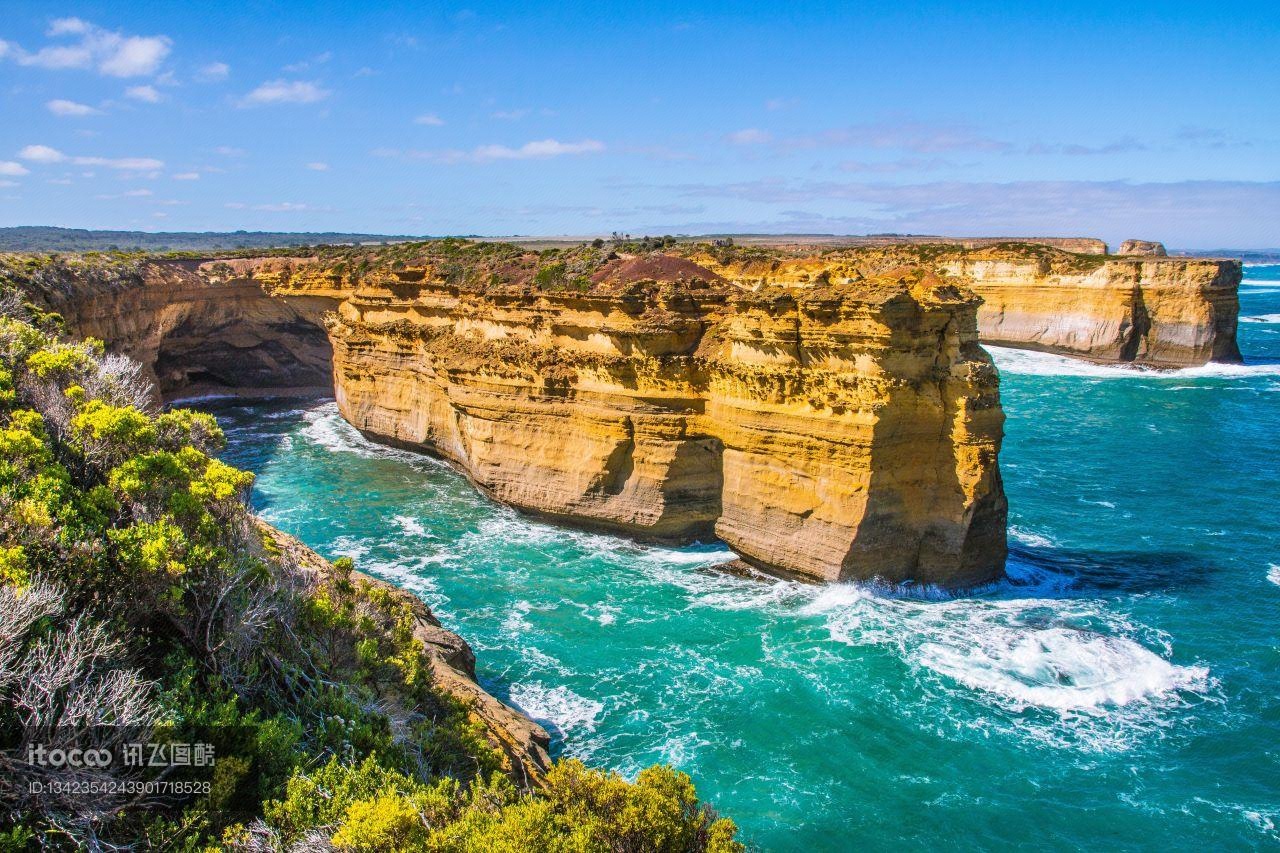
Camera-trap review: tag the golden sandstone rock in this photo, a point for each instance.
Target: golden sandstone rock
(828, 415)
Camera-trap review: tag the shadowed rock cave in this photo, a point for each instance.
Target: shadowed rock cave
(285, 354)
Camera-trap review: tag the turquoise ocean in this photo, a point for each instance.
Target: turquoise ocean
(1120, 691)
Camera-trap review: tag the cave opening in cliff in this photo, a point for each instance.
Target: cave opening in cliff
(288, 356)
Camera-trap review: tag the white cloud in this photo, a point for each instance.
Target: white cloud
(187, 176)
(41, 154)
(136, 56)
(750, 136)
(68, 26)
(429, 119)
(138, 193)
(213, 72)
(111, 53)
(60, 107)
(147, 94)
(125, 164)
(45, 154)
(12, 169)
(299, 67)
(281, 207)
(510, 115)
(285, 92)
(318, 167)
(536, 150)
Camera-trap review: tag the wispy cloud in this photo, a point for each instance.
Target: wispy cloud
(285, 92)
(187, 176)
(510, 115)
(213, 72)
(276, 207)
(299, 67)
(138, 193)
(887, 167)
(45, 155)
(917, 137)
(1176, 211)
(12, 169)
(430, 120)
(317, 166)
(1120, 146)
(750, 136)
(41, 154)
(146, 94)
(541, 149)
(70, 109)
(87, 46)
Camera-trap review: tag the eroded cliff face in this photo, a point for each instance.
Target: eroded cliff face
(835, 432)
(832, 427)
(1153, 311)
(1143, 310)
(198, 326)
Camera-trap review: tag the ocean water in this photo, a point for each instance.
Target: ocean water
(1120, 691)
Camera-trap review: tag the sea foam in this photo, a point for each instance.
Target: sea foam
(1032, 363)
(567, 711)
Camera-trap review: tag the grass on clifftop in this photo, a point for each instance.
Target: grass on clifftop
(141, 602)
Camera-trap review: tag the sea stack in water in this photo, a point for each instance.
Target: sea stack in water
(844, 431)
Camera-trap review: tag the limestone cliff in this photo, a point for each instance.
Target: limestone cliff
(1141, 308)
(844, 429)
(192, 328)
(834, 432)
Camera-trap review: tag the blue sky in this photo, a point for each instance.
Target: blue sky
(1153, 120)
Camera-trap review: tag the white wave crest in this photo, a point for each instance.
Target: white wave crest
(1261, 318)
(1032, 363)
(410, 525)
(1030, 537)
(1273, 573)
(1059, 668)
(327, 429)
(568, 711)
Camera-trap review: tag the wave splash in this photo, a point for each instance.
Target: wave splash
(1068, 672)
(1032, 363)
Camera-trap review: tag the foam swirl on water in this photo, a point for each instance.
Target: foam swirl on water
(558, 705)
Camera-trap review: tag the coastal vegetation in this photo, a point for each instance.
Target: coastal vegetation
(140, 600)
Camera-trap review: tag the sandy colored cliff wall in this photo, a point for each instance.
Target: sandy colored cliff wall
(835, 433)
(843, 430)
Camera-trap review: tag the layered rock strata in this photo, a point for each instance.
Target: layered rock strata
(1139, 309)
(198, 325)
(844, 429)
(833, 433)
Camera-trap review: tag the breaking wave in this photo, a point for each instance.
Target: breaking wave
(1033, 363)
(567, 711)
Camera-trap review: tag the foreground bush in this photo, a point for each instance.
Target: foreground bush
(138, 595)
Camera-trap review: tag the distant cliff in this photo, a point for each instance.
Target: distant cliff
(1141, 309)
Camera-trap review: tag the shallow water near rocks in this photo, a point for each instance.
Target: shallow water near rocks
(1119, 690)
